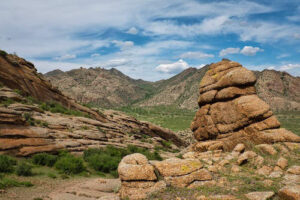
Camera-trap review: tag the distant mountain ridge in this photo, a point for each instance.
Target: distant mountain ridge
(111, 88)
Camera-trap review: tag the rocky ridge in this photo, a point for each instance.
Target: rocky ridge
(27, 126)
(109, 88)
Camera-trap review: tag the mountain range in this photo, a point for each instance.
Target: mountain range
(111, 88)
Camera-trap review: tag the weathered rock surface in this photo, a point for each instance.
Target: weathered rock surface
(289, 193)
(259, 195)
(100, 189)
(231, 112)
(140, 177)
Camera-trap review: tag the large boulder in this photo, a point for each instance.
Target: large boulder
(230, 112)
(138, 178)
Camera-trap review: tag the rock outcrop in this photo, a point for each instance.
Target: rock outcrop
(231, 112)
(25, 128)
(140, 177)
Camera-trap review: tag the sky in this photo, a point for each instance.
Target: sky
(152, 39)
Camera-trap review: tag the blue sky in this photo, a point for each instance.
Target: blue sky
(152, 39)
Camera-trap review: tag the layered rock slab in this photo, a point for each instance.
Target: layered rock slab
(230, 112)
(140, 177)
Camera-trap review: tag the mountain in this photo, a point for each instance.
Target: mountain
(106, 88)
(111, 88)
(279, 89)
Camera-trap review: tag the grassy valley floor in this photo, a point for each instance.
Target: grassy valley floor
(180, 119)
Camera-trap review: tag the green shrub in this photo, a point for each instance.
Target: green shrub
(24, 169)
(3, 53)
(51, 175)
(55, 107)
(7, 164)
(70, 164)
(44, 159)
(7, 102)
(107, 159)
(29, 119)
(6, 183)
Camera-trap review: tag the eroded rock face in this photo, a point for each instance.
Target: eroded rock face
(230, 111)
(140, 177)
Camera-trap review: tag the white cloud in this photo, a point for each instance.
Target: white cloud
(247, 51)
(116, 63)
(196, 55)
(200, 66)
(123, 44)
(289, 67)
(227, 51)
(172, 68)
(250, 51)
(94, 55)
(132, 31)
(284, 55)
(271, 68)
(66, 57)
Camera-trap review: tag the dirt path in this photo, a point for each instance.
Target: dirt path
(58, 189)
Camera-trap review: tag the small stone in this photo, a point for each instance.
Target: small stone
(259, 195)
(289, 193)
(244, 157)
(276, 174)
(239, 148)
(223, 163)
(276, 168)
(213, 168)
(235, 168)
(282, 163)
(265, 171)
(294, 170)
(259, 160)
(268, 182)
(267, 149)
(291, 179)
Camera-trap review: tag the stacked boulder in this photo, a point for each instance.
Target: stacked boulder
(140, 177)
(230, 111)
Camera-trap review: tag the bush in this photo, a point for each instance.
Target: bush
(107, 159)
(44, 159)
(3, 53)
(5, 183)
(70, 164)
(55, 107)
(24, 169)
(7, 164)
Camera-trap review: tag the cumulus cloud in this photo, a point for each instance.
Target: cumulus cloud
(250, 51)
(227, 51)
(132, 31)
(172, 68)
(196, 55)
(247, 51)
(66, 57)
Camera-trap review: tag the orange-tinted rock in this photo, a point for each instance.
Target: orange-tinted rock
(230, 111)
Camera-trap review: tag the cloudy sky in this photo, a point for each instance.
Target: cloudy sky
(152, 39)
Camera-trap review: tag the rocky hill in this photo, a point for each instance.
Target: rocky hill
(97, 86)
(110, 88)
(36, 117)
